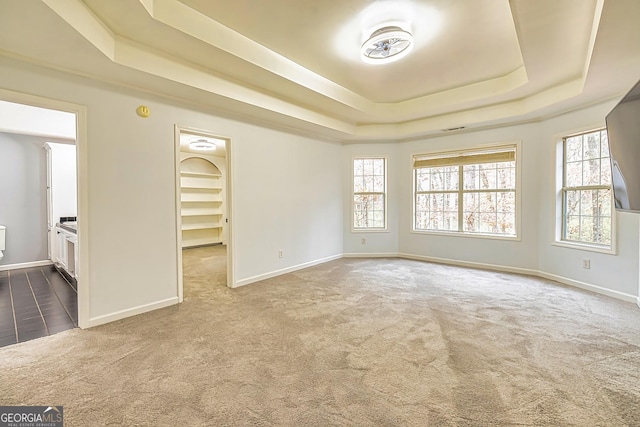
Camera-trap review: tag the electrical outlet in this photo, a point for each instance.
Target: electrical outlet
(280, 253)
(586, 263)
(363, 241)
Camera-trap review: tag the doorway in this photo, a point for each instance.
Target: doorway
(202, 211)
(45, 122)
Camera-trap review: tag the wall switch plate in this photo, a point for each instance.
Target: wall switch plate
(280, 253)
(586, 263)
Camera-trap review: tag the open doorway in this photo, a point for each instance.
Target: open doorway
(202, 187)
(39, 144)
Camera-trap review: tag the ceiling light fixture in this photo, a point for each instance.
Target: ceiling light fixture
(386, 44)
(202, 145)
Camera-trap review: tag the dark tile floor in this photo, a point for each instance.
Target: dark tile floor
(35, 302)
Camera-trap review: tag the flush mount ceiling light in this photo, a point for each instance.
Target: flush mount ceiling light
(202, 144)
(386, 44)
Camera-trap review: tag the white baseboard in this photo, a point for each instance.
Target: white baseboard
(99, 320)
(480, 265)
(589, 287)
(291, 269)
(370, 255)
(25, 265)
(111, 317)
(564, 280)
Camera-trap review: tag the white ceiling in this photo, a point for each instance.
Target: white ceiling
(186, 137)
(294, 64)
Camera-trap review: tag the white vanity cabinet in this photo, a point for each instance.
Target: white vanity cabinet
(61, 196)
(66, 250)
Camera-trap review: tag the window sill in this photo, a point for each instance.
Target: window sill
(472, 235)
(369, 230)
(585, 247)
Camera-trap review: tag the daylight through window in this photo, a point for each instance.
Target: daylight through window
(369, 193)
(466, 192)
(586, 189)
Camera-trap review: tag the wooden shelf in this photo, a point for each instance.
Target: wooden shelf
(200, 183)
(201, 208)
(201, 226)
(200, 174)
(200, 197)
(200, 212)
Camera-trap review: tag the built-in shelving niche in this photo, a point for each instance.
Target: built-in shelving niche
(201, 202)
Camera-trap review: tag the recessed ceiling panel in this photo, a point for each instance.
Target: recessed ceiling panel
(295, 64)
(456, 43)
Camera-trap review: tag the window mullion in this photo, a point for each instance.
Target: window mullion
(436, 217)
(415, 197)
(460, 197)
(492, 190)
(369, 193)
(587, 188)
(367, 212)
(438, 192)
(584, 227)
(565, 216)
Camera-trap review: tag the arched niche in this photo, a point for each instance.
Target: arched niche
(202, 199)
(199, 165)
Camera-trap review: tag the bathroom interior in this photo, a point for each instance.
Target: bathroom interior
(38, 228)
(38, 222)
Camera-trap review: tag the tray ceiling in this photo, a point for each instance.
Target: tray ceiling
(295, 64)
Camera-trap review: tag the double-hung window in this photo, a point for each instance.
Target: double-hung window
(467, 192)
(586, 189)
(369, 194)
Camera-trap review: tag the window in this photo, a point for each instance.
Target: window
(369, 193)
(470, 192)
(586, 189)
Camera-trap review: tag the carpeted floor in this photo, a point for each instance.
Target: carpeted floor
(355, 342)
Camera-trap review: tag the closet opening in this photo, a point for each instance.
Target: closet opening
(202, 198)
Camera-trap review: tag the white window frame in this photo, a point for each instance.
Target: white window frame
(560, 200)
(516, 145)
(354, 193)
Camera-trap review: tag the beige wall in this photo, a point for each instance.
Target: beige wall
(290, 193)
(284, 192)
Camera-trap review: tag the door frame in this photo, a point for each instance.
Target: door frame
(82, 188)
(178, 129)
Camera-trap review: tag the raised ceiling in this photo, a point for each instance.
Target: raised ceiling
(295, 64)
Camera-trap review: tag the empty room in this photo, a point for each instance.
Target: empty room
(365, 212)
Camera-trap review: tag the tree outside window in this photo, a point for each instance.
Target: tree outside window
(586, 190)
(369, 193)
(466, 192)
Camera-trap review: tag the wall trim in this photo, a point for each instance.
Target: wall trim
(95, 321)
(122, 314)
(370, 255)
(291, 269)
(25, 265)
(480, 265)
(589, 287)
(517, 270)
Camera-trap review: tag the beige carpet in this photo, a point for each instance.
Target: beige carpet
(355, 342)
